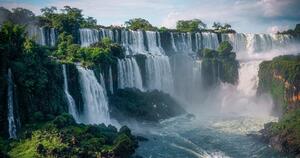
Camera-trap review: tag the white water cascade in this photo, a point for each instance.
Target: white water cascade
(129, 74)
(253, 43)
(12, 128)
(42, 35)
(210, 40)
(88, 37)
(94, 97)
(111, 82)
(159, 74)
(102, 83)
(154, 43)
(71, 102)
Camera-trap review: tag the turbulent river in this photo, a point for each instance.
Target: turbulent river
(209, 136)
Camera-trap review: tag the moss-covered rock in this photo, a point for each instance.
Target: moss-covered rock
(220, 65)
(280, 77)
(62, 137)
(144, 106)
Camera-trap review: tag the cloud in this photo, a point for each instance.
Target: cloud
(281, 8)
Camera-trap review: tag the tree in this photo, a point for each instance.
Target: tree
(22, 16)
(139, 23)
(225, 47)
(217, 25)
(5, 15)
(190, 25)
(226, 26)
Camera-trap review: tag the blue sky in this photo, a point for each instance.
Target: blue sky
(256, 16)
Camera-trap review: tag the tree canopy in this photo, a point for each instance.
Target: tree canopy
(139, 23)
(190, 25)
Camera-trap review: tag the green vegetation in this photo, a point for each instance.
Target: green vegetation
(17, 16)
(62, 137)
(190, 25)
(139, 23)
(273, 75)
(285, 134)
(220, 64)
(144, 106)
(280, 78)
(104, 52)
(68, 20)
(37, 77)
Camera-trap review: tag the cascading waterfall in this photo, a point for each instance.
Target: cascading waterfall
(248, 77)
(12, 128)
(129, 74)
(95, 100)
(111, 82)
(52, 37)
(102, 83)
(71, 102)
(154, 43)
(159, 74)
(42, 35)
(181, 42)
(253, 43)
(187, 78)
(210, 40)
(88, 37)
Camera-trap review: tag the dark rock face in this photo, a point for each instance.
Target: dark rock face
(144, 106)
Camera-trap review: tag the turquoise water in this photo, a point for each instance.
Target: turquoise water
(209, 137)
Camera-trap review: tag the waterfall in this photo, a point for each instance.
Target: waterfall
(254, 43)
(42, 35)
(52, 37)
(111, 82)
(159, 74)
(248, 77)
(95, 100)
(182, 42)
(129, 74)
(187, 77)
(88, 37)
(102, 82)
(154, 43)
(173, 42)
(71, 102)
(210, 40)
(12, 128)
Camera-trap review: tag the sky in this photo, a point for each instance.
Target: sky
(247, 16)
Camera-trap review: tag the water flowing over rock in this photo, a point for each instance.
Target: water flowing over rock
(94, 97)
(111, 82)
(159, 74)
(210, 40)
(43, 35)
(102, 83)
(187, 78)
(129, 74)
(88, 36)
(12, 128)
(71, 102)
(257, 42)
